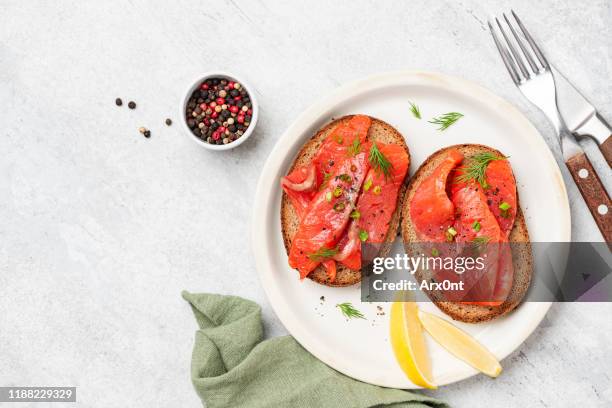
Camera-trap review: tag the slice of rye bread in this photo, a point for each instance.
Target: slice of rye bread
(380, 132)
(521, 253)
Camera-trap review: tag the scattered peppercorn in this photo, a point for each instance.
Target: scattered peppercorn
(168, 122)
(219, 111)
(132, 105)
(118, 102)
(146, 132)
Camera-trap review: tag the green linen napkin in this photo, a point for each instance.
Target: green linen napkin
(232, 366)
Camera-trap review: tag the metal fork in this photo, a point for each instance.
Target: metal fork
(531, 73)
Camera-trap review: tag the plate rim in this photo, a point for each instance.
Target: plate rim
(313, 113)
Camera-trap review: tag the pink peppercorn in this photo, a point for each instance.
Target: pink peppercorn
(214, 115)
(240, 119)
(203, 106)
(220, 101)
(234, 109)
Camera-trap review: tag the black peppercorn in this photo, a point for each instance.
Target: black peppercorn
(118, 102)
(132, 105)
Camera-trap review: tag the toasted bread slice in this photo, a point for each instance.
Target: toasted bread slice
(521, 254)
(380, 132)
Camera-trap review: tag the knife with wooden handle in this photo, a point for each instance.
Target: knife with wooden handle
(597, 129)
(593, 192)
(581, 117)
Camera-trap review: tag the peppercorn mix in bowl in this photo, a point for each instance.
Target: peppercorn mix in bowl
(219, 111)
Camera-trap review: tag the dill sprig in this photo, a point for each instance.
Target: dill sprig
(322, 253)
(379, 162)
(355, 147)
(415, 110)
(349, 311)
(446, 120)
(476, 167)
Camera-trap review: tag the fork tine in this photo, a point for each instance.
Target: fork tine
(533, 44)
(505, 56)
(526, 53)
(515, 54)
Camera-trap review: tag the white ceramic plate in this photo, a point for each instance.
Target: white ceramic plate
(360, 348)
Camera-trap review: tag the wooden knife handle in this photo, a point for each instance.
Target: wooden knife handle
(606, 150)
(593, 192)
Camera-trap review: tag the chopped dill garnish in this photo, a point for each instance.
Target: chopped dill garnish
(446, 120)
(322, 253)
(379, 162)
(415, 110)
(480, 243)
(326, 177)
(355, 148)
(344, 177)
(349, 311)
(476, 166)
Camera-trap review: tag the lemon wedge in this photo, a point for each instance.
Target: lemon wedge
(460, 344)
(409, 344)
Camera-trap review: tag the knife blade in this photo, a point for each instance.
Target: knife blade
(581, 117)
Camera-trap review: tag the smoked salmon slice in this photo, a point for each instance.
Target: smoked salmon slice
(501, 193)
(304, 182)
(431, 210)
(375, 206)
(328, 215)
(377, 203)
(476, 226)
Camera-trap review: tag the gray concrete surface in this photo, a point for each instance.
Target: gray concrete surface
(100, 229)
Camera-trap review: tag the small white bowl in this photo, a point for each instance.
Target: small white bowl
(254, 116)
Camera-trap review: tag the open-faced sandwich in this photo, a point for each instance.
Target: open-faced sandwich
(465, 197)
(344, 189)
